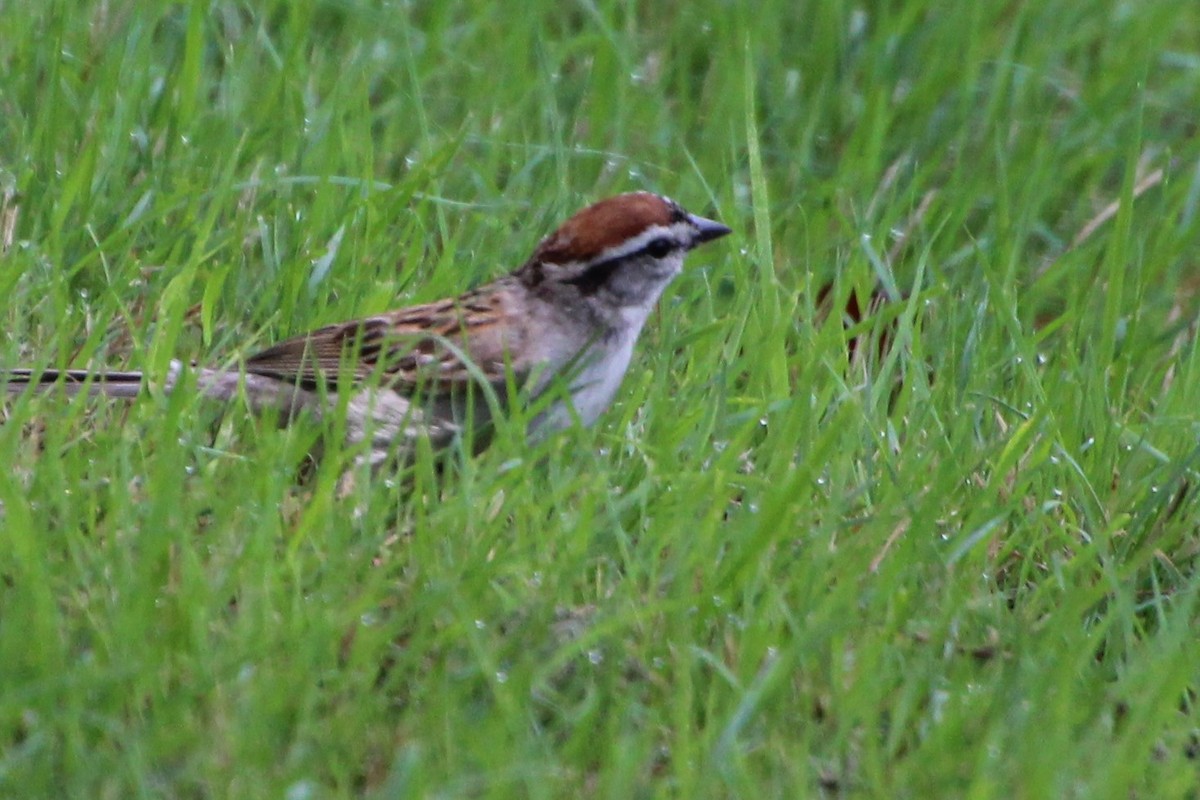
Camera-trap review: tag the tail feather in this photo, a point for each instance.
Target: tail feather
(262, 392)
(383, 418)
(73, 381)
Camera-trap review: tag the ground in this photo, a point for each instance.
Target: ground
(899, 497)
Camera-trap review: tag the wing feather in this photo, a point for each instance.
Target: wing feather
(436, 347)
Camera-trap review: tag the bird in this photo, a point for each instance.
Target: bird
(568, 317)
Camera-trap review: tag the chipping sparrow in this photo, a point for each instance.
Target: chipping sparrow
(571, 313)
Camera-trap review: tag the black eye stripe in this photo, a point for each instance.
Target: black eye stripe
(598, 274)
(595, 276)
(659, 248)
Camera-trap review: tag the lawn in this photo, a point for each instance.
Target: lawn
(898, 498)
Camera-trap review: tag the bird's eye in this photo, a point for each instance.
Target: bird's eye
(659, 248)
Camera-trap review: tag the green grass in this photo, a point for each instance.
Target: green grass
(963, 565)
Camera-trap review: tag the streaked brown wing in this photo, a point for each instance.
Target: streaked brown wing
(422, 346)
(314, 358)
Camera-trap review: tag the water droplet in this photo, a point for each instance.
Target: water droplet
(791, 82)
(301, 790)
(858, 23)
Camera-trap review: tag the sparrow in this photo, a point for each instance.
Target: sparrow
(568, 317)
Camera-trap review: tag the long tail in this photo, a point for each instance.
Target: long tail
(261, 391)
(73, 381)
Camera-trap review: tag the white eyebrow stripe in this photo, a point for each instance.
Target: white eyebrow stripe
(678, 233)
